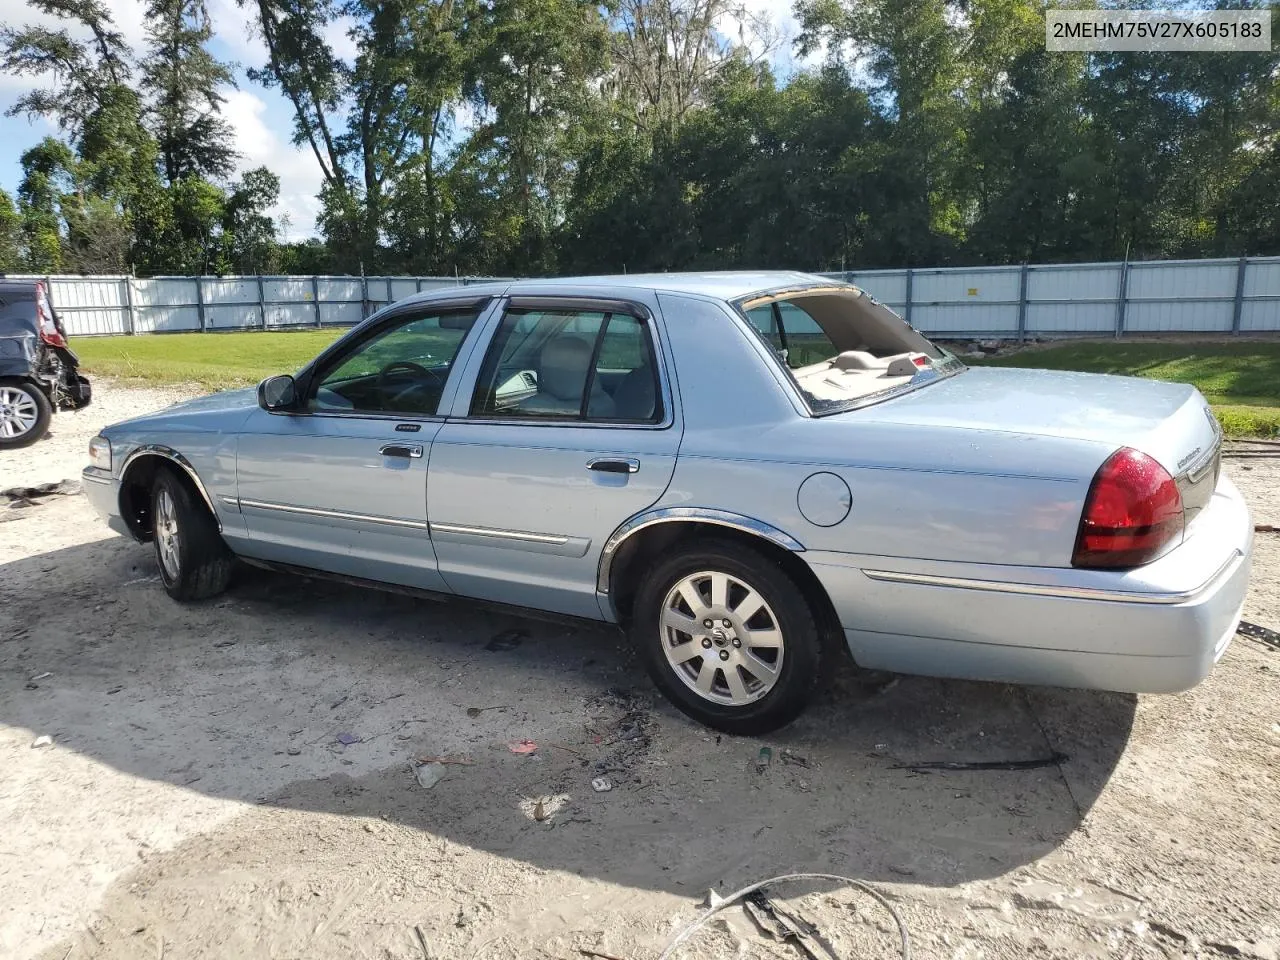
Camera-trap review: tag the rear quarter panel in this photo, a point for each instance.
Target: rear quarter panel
(917, 490)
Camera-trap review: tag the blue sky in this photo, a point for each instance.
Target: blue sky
(261, 119)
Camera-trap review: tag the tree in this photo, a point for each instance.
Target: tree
(183, 82)
(10, 235)
(669, 54)
(532, 85)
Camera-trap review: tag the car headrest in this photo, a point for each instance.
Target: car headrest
(563, 367)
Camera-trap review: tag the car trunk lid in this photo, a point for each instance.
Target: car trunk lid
(1168, 421)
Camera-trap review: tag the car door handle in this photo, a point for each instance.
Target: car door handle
(410, 450)
(614, 464)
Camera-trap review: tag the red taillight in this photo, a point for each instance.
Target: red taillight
(1132, 513)
(920, 361)
(49, 331)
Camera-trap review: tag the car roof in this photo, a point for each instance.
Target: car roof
(722, 285)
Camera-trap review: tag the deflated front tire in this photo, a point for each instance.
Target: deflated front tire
(194, 561)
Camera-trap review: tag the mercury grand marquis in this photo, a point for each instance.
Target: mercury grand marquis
(749, 472)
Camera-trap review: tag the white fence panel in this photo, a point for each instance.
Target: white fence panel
(986, 285)
(287, 289)
(231, 290)
(961, 319)
(1204, 316)
(1084, 282)
(1184, 296)
(340, 313)
(1183, 279)
(889, 287)
(402, 287)
(1262, 279)
(1084, 317)
(91, 305)
(340, 290)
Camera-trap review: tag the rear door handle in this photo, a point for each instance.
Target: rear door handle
(614, 464)
(408, 450)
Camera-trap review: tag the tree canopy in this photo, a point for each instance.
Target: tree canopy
(518, 137)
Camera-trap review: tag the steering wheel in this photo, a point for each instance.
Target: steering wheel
(385, 374)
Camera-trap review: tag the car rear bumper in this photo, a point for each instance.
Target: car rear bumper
(1157, 629)
(103, 491)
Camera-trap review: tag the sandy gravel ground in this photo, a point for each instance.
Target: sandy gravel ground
(197, 800)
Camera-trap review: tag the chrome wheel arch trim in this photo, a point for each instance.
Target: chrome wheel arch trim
(173, 456)
(720, 518)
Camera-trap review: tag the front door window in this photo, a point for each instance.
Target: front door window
(400, 370)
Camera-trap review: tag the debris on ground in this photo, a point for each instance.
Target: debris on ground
(763, 759)
(293, 751)
(42, 741)
(601, 784)
(621, 722)
(1267, 636)
(793, 759)
(457, 761)
(474, 712)
(1035, 763)
(506, 640)
(20, 499)
(588, 952)
(347, 739)
(525, 746)
(428, 774)
(715, 903)
(41, 676)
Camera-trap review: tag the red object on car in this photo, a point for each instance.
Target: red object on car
(1133, 513)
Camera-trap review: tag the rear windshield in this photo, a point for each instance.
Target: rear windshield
(842, 348)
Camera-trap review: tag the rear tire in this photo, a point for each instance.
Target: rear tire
(729, 637)
(25, 413)
(194, 561)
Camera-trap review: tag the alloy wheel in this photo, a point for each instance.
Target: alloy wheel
(166, 533)
(721, 638)
(18, 413)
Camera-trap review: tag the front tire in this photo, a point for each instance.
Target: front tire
(25, 413)
(194, 561)
(729, 637)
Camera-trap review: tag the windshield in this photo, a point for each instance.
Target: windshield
(842, 348)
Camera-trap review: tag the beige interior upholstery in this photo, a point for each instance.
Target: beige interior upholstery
(562, 374)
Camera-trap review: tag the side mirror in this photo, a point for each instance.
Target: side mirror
(276, 394)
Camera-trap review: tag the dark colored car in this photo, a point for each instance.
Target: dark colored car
(38, 371)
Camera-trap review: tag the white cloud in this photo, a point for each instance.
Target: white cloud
(263, 143)
(234, 26)
(337, 33)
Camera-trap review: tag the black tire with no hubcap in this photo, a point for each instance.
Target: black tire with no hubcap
(728, 636)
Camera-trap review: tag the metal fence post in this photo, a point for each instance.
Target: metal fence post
(364, 296)
(418, 284)
(262, 302)
(1239, 304)
(1122, 298)
(204, 324)
(315, 295)
(906, 306)
(129, 325)
(1022, 304)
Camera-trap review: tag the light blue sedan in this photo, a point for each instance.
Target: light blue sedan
(747, 471)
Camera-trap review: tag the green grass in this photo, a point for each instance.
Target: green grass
(1240, 379)
(213, 360)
